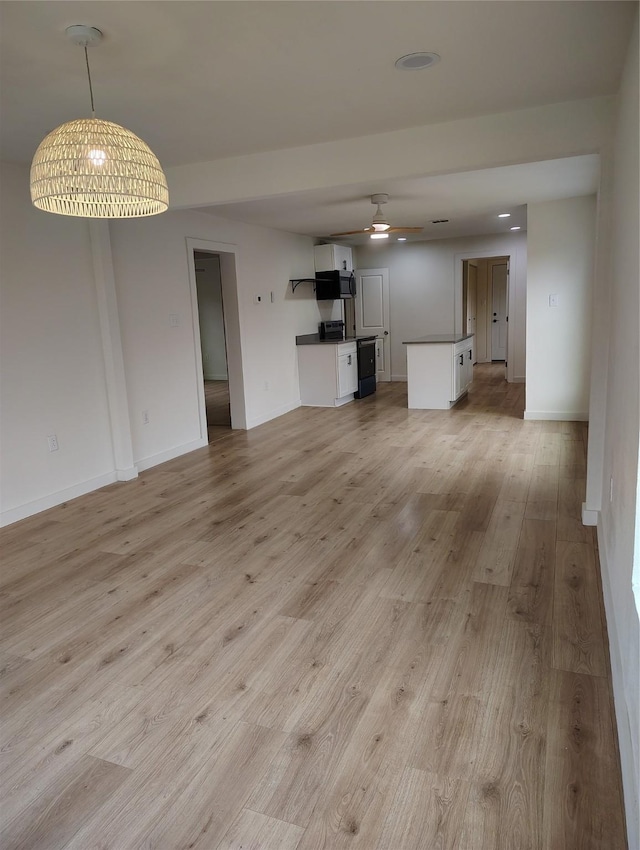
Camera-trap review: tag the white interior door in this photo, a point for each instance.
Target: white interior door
(372, 315)
(499, 311)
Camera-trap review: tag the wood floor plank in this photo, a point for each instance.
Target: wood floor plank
(413, 577)
(253, 831)
(53, 819)
(581, 801)
(473, 644)
(498, 551)
(542, 498)
(533, 577)
(578, 640)
(28, 771)
(507, 791)
(571, 495)
(427, 812)
(359, 792)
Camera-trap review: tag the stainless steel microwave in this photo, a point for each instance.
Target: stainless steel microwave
(334, 284)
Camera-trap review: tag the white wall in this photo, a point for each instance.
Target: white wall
(561, 241)
(52, 369)
(151, 268)
(425, 289)
(209, 286)
(53, 374)
(619, 518)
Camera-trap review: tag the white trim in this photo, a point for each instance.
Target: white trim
(512, 256)
(273, 414)
(170, 454)
(113, 358)
(57, 498)
(399, 378)
(219, 377)
(589, 516)
(623, 718)
(228, 253)
(127, 474)
(520, 379)
(557, 415)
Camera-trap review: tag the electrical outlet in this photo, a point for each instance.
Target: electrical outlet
(145, 417)
(52, 440)
(174, 320)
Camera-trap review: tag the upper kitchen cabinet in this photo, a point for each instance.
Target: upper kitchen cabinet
(330, 257)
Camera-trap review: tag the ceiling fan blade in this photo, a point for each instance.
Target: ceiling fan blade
(405, 230)
(350, 233)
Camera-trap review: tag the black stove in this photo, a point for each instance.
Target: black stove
(366, 347)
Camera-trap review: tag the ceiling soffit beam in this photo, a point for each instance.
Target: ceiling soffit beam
(489, 141)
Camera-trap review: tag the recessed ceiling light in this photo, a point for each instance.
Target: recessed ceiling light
(514, 228)
(379, 236)
(416, 61)
(504, 215)
(402, 238)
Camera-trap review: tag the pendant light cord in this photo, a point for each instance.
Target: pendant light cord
(86, 56)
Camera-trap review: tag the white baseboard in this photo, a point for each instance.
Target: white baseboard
(398, 377)
(517, 379)
(170, 454)
(224, 377)
(589, 516)
(127, 474)
(53, 499)
(272, 414)
(624, 721)
(557, 415)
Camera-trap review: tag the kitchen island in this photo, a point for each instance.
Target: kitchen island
(439, 370)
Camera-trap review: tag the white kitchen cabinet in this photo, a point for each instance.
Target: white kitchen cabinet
(439, 370)
(329, 257)
(328, 373)
(462, 368)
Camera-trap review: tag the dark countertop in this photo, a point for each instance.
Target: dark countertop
(314, 339)
(446, 338)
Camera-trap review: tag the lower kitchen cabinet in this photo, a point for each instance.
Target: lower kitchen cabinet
(328, 373)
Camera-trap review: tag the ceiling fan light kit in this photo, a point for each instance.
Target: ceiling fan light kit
(93, 168)
(379, 227)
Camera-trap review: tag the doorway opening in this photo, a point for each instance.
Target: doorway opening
(213, 344)
(230, 402)
(485, 306)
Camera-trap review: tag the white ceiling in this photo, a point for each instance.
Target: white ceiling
(204, 80)
(470, 200)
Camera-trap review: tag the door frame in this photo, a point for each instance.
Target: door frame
(511, 291)
(227, 252)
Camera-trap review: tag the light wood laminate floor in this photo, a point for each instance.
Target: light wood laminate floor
(365, 628)
(216, 399)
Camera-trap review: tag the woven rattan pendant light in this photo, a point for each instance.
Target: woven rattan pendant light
(96, 169)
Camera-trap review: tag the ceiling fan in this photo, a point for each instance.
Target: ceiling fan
(379, 227)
